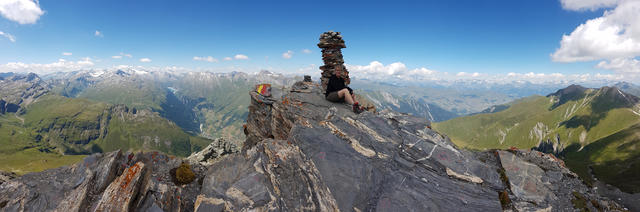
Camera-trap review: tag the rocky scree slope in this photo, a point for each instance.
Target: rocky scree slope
(303, 153)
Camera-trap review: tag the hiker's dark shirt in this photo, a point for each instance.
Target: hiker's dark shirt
(336, 84)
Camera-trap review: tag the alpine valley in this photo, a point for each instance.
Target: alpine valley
(60, 118)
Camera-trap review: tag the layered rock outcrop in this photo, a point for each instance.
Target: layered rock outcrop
(209, 155)
(306, 154)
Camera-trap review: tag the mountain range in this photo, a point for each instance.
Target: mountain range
(55, 120)
(305, 153)
(58, 119)
(41, 129)
(594, 130)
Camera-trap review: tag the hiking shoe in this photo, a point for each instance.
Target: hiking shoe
(357, 109)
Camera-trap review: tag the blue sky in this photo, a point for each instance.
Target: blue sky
(492, 37)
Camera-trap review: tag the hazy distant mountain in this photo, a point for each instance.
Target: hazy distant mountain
(629, 88)
(435, 104)
(203, 103)
(591, 127)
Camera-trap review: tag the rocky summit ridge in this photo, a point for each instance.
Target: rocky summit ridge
(303, 153)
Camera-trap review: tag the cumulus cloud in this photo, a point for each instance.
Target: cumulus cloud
(85, 62)
(623, 65)
(398, 72)
(208, 59)
(61, 65)
(21, 11)
(532, 75)
(227, 58)
(67, 53)
(116, 57)
(8, 36)
(145, 60)
(377, 70)
(287, 55)
(613, 38)
(306, 51)
(98, 34)
(465, 74)
(588, 4)
(241, 57)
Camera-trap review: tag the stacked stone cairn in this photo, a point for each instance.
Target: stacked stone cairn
(331, 42)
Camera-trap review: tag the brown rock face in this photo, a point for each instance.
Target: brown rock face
(120, 193)
(331, 42)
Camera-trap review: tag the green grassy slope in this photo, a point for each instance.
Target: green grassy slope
(614, 159)
(582, 122)
(143, 96)
(219, 103)
(483, 131)
(57, 130)
(222, 106)
(133, 91)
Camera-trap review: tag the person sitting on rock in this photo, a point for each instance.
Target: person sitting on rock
(337, 91)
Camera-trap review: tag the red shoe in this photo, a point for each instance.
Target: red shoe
(356, 108)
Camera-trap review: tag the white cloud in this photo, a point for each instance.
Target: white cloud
(306, 51)
(145, 60)
(399, 73)
(614, 37)
(228, 58)
(21, 11)
(287, 55)
(85, 62)
(8, 36)
(98, 34)
(588, 4)
(208, 59)
(122, 54)
(556, 78)
(241, 57)
(622, 65)
(378, 71)
(61, 65)
(465, 74)
(67, 53)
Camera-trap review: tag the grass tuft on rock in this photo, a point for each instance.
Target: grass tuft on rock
(184, 174)
(505, 201)
(579, 202)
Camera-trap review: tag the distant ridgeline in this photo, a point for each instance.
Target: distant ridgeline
(594, 130)
(40, 129)
(57, 120)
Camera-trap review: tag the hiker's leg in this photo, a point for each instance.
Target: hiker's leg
(347, 97)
